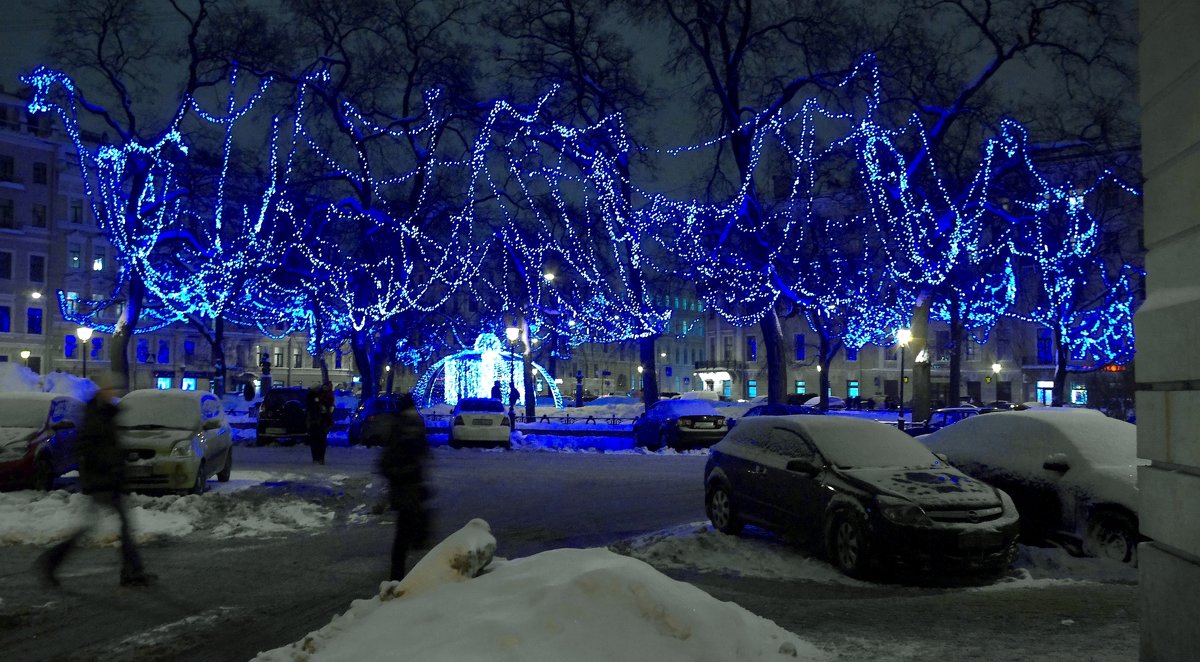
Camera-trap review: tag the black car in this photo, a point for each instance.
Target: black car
(866, 494)
(364, 426)
(283, 416)
(679, 424)
(779, 410)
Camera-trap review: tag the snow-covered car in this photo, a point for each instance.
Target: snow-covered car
(38, 433)
(283, 416)
(679, 424)
(710, 396)
(779, 410)
(943, 417)
(174, 439)
(868, 495)
(834, 402)
(1072, 473)
(480, 422)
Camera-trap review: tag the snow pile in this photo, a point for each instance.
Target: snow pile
(14, 377)
(565, 604)
(40, 518)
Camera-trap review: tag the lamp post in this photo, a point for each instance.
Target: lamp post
(996, 378)
(640, 379)
(512, 333)
(903, 337)
(84, 334)
(25, 357)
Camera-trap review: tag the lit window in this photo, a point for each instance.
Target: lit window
(98, 259)
(74, 256)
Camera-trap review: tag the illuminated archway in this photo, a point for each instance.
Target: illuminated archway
(471, 373)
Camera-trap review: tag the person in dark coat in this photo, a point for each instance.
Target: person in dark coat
(101, 476)
(403, 464)
(497, 394)
(320, 420)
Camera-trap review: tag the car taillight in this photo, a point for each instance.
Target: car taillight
(458, 420)
(504, 420)
(681, 423)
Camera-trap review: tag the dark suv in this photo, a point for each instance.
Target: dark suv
(866, 494)
(283, 416)
(370, 419)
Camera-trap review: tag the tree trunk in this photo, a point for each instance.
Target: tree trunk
(366, 367)
(218, 357)
(956, 348)
(921, 371)
(773, 344)
(823, 359)
(649, 361)
(118, 352)
(1061, 354)
(527, 374)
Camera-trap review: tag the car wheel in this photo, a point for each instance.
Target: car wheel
(43, 474)
(720, 511)
(454, 443)
(223, 474)
(1112, 536)
(848, 548)
(201, 480)
(664, 440)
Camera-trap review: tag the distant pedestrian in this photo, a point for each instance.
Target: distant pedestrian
(320, 420)
(101, 476)
(496, 392)
(512, 394)
(403, 464)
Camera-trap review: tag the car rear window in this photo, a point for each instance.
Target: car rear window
(480, 404)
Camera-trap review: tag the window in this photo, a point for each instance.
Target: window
(72, 300)
(189, 349)
(33, 321)
(39, 216)
(143, 350)
(800, 352)
(800, 387)
(728, 347)
(852, 388)
(751, 349)
(789, 445)
(5, 319)
(162, 383)
(970, 350)
(187, 384)
(40, 173)
(97, 345)
(296, 358)
(77, 211)
(751, 388)
(727, 388)
(851, 353)
(98, 258)
(164, 351)
(69, 342)
(337, 359)
(6, 260)
(1045, 346)
(8, 168)
(7, 218)
(37, 268)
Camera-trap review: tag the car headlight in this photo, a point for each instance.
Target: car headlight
(183, 449)
(902, 511)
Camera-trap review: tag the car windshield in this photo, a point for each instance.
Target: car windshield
(151, 410)
(480, 404)
(23, 412)
(852, 443)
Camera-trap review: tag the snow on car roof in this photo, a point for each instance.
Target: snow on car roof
(846, 442)
(1080, 433)
(169, 407)
(28, 409)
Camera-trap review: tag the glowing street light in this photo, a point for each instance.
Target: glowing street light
(25, 356)
(548, 276)
(903, 337)
(84, 334)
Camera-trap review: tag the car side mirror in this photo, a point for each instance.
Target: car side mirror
(801, 465)
(1056, 462)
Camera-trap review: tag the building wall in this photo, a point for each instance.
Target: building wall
(1168, 332)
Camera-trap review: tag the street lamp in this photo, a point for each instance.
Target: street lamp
(25, 357)
(512, 333)
(640, 379)
(84, 334)
(903, 337)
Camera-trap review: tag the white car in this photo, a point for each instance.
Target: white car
(1071, 472)
(174, 440)
(480, 422)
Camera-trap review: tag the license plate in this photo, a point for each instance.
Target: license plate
(139, 471)
(703, 424)
(482, 421)
(980, 540)
(276, 430)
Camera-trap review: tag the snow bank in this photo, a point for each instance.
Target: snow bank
(15, 377)
(566, 604)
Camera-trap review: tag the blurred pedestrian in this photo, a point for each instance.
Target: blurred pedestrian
(101, 476)
(496, 392)
(403, 464)
(320, 420)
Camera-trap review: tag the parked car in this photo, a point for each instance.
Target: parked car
(834, 402)
(867, 495)
(174, 440)
(1001, 405)
(942, 418)
(1072, 473)
(480, 422)
(363, 428)
(778, 410)
(709, 396)
(283, 416)
(679, 424)
(38, 433)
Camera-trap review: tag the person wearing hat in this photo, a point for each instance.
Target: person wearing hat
(101, 476)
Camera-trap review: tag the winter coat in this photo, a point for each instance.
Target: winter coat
(403, 464)
(320, 409)
(101, 460)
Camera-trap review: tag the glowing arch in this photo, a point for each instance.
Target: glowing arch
(472, 372)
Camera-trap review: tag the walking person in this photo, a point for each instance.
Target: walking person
(403, 464)
(320, 420)
(496, 392)
(101, 476)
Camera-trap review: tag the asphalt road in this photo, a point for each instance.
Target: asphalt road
(221, 599)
